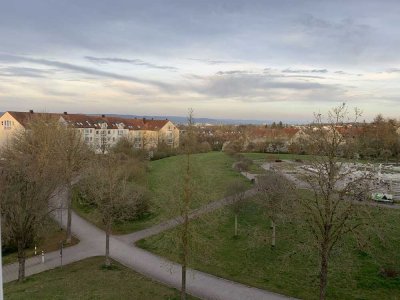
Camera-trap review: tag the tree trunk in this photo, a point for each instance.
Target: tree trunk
(69, 209)
(236, 225)
(185, 249)
(185, 232)
(323, 280)
(183, 287)
(108, 262)
(273, 226)
(21, 262)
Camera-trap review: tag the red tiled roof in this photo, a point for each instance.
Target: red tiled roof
(154, 124)
(93, 121)
(86, 121)
(25, 117)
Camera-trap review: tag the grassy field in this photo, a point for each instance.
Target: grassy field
(212, 172)
(49, 242)
(289, 269)
(87, 279)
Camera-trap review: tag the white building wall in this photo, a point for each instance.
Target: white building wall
(8, 127)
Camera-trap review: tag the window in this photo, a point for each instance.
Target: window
(91, 139)
(86, 131)
(109, 132)
(86, 139)
(120, 132)
(90, 130)
(97, 132)
(113, 139)
(7, 124)
(169, 138)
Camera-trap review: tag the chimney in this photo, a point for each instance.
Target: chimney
(152, 118)
(31, 111)
(65, 113)
(144, 119)
(103, 116)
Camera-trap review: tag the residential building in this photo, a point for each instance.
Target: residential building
(100, 132)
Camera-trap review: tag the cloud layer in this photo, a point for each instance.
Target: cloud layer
(258, 59)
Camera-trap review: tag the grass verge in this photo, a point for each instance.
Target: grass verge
(49, 242)
(87, 279)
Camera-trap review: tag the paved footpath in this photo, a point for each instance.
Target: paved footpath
(122, 249)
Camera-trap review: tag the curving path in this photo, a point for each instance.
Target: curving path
(122, 249)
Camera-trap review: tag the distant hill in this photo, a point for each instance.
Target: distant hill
(183, 120)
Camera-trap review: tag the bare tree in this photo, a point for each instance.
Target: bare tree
(332, 213)
(106, 186)
(276, 196)
(237, 190)
(28, 181)
(189, 145)
(72, 154)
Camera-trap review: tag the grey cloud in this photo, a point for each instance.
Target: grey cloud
(393, 70)
(138, 62)
(213, 62)
(12, 71)
(78, 69)
(268, 73)
(346, 73)
(305, 71)
(345, 26)
(232, 72)
(234, 30)
(305, 76)
(255, 85)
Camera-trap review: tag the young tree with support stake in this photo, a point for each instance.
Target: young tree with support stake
(237, 190)
(276, 195)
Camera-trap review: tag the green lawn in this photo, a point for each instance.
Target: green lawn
(289, 269)
(212, 173)
(49, 242)
(87, 279)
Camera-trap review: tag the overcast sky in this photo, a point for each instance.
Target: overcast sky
(277, 60)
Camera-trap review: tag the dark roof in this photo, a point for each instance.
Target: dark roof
(93, 121)
(25, 117)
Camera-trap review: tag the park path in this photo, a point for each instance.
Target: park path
(123, 250)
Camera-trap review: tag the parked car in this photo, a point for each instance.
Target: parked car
(382, 197)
